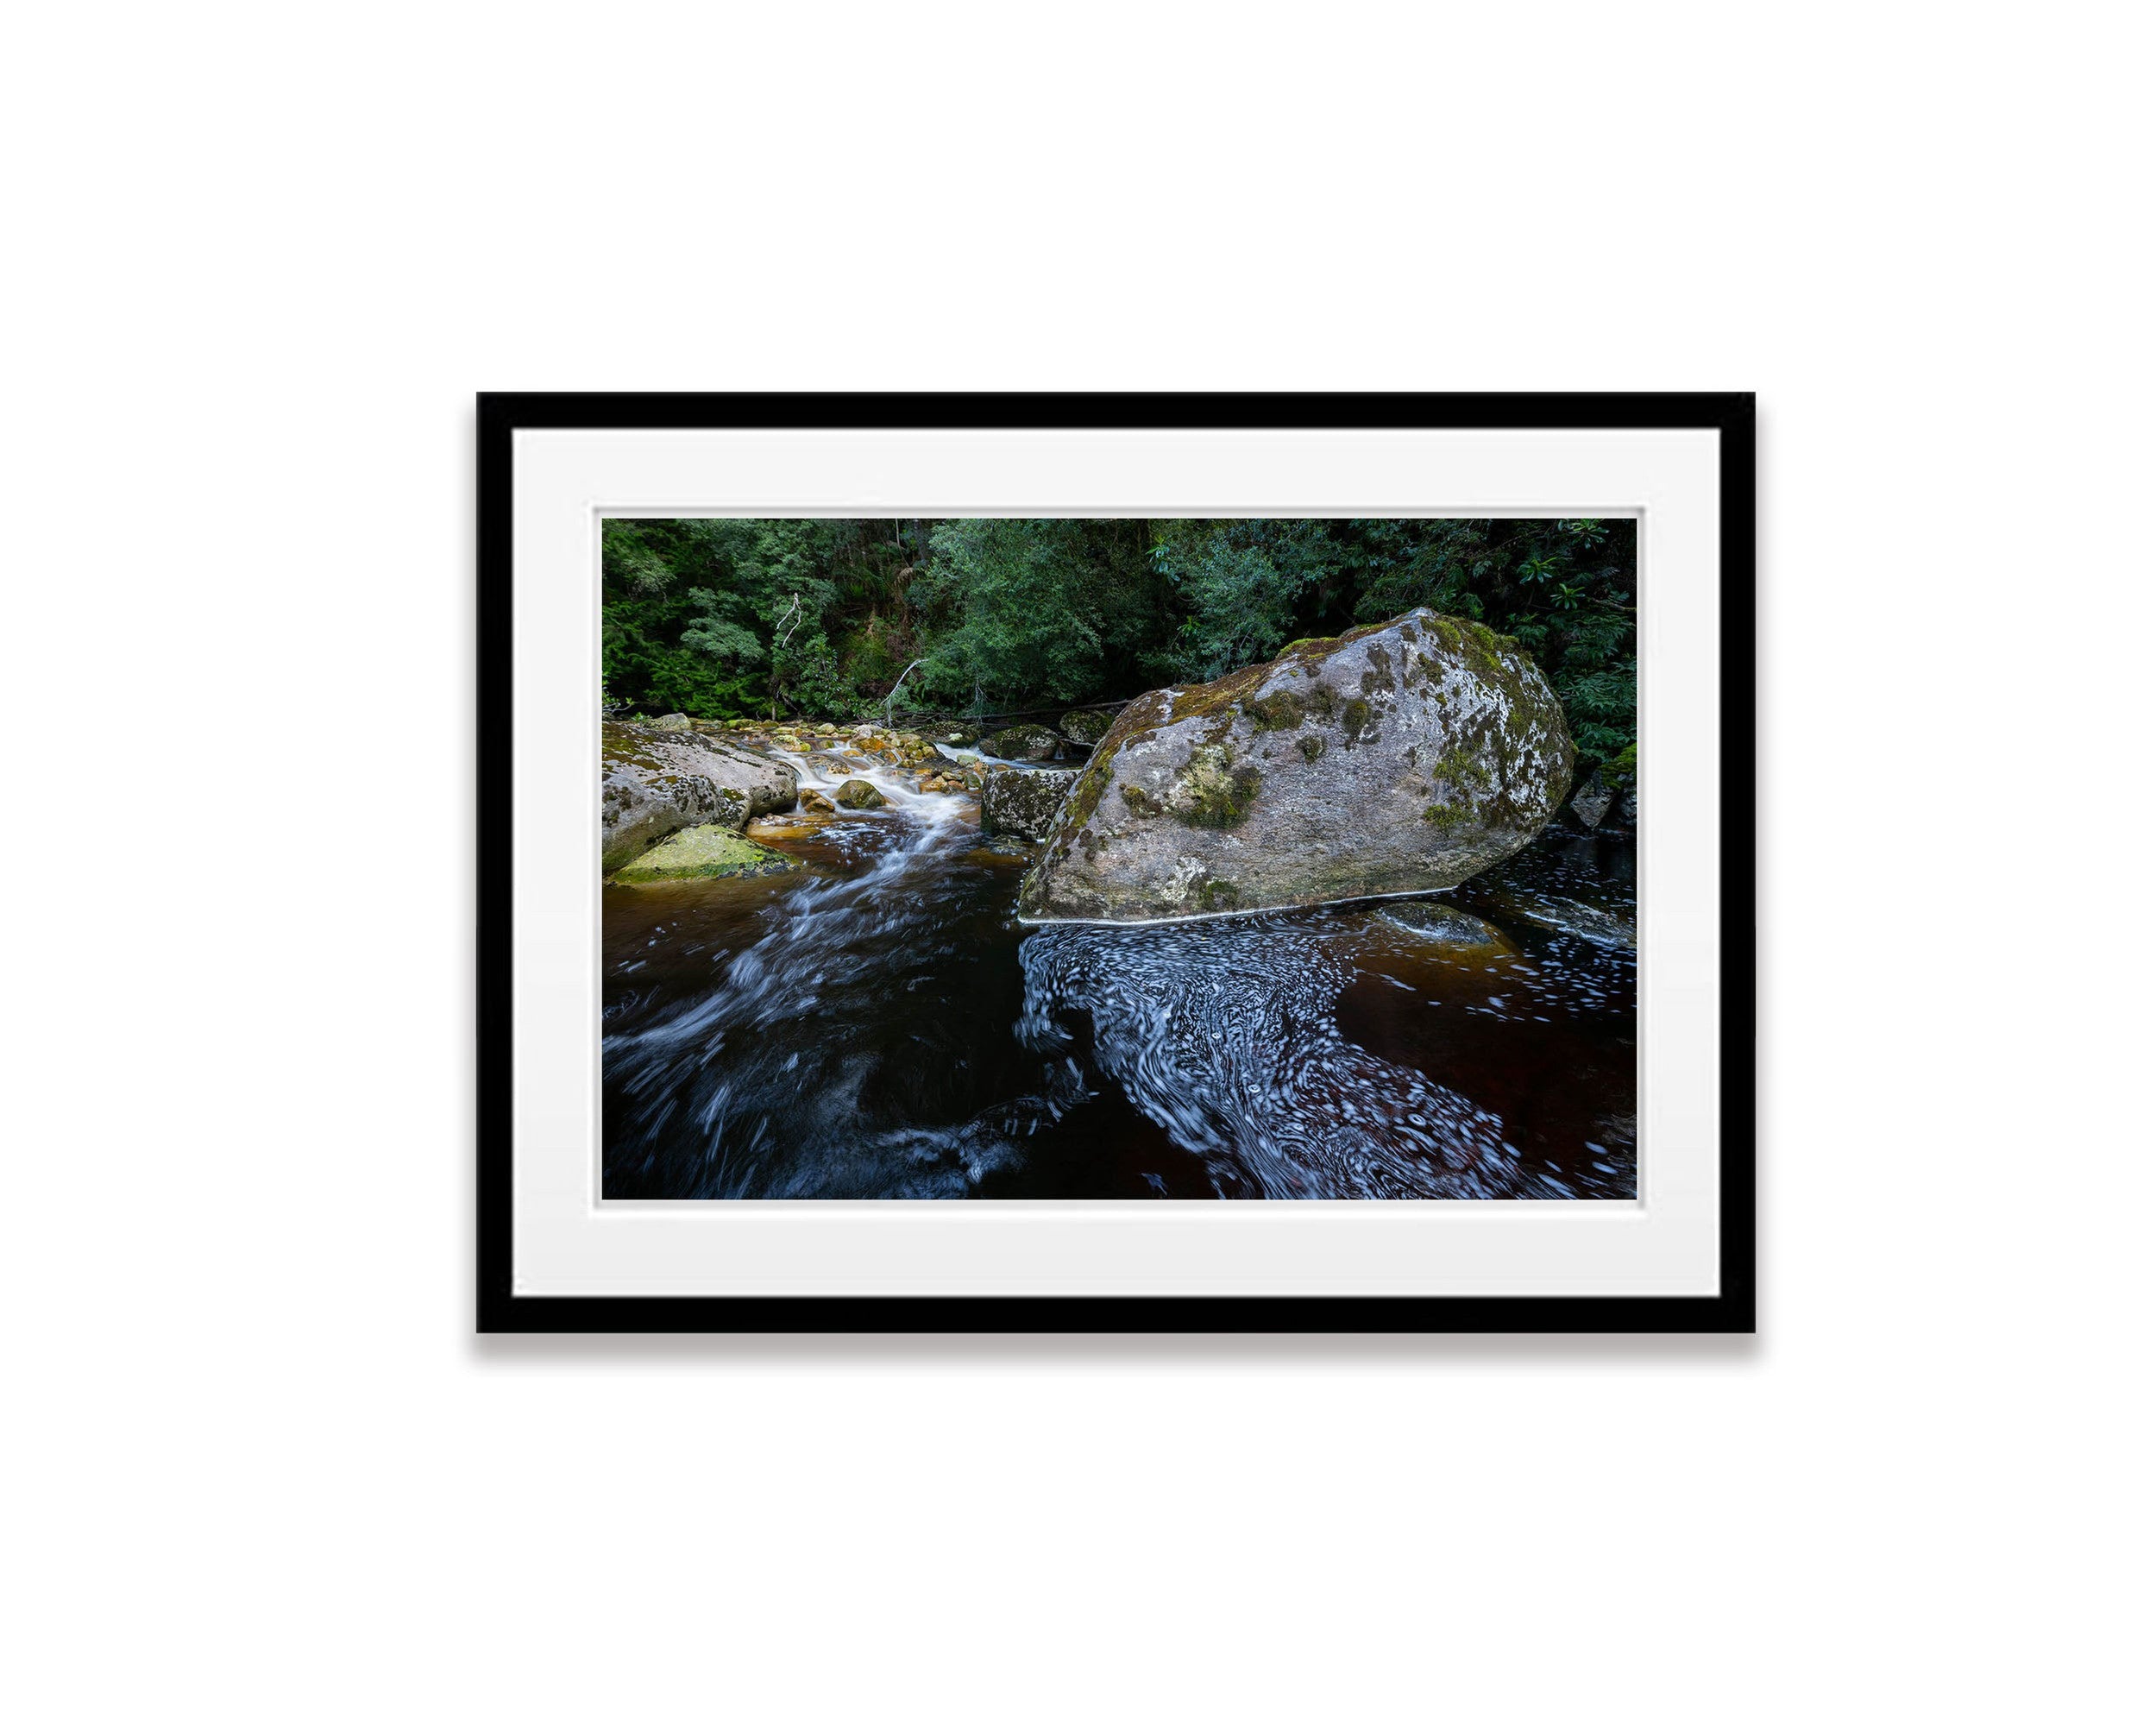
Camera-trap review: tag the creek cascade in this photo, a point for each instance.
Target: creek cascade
(879, 1023)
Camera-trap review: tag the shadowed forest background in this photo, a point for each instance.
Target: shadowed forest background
(736, 618)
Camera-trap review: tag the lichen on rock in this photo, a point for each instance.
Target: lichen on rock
(1453, 754)
(1024, 804)
(1023, 743)
(1086, 729)
(654, 782)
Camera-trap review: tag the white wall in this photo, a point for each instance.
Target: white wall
(257, 1466)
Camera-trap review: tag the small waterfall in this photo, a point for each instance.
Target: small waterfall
(897, 785)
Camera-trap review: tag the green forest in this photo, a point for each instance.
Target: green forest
(723, 619)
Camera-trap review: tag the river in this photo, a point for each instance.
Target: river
(880, 1025)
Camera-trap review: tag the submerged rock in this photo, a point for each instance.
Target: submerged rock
(1024, 804)
(652, 783)
(701, 852)
(858, 793)
(1086, 728)
(1023, 743)
(1446, 925)
(1563, 916)
(1400, 758)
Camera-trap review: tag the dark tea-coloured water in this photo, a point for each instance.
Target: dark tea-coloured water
(881, 1026)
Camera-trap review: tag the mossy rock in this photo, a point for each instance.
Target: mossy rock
(706, 853)
(858, 793)
(652, 783)
(1400, 758)
(1024, 805)
(1086, 729)
(1023, 743)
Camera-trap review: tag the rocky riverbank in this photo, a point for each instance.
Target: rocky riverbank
(689, 798)
(1401, 759)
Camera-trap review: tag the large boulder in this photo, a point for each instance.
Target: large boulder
(1023, 804)
(1023, 743)
(652, 783)
(1397, 758)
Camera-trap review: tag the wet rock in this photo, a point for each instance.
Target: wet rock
(1023, 804)
(652, 783)
(1593, 800)
(1439, 751)
(858, 793)
(1447, 926)
(1606, 798)
(816, 803)
(1086, 728)
(1023, 743)
(701, 852)
(958, 734)
(1005, 850)
(1563, 915)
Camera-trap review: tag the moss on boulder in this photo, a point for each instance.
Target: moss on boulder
(1454, 755)
(702, 853)
(653, 782)
(1085, 728)
(1023, 743)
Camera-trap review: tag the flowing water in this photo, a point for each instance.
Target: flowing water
(881, 1026)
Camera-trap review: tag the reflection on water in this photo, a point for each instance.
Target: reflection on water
(881, 1027)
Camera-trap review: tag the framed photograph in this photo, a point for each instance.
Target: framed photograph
(1116, 862)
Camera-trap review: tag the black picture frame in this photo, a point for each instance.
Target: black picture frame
(1733, 1309)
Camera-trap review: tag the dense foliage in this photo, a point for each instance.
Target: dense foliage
(719, 619)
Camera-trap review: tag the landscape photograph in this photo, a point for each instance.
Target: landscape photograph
(1014, 858)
